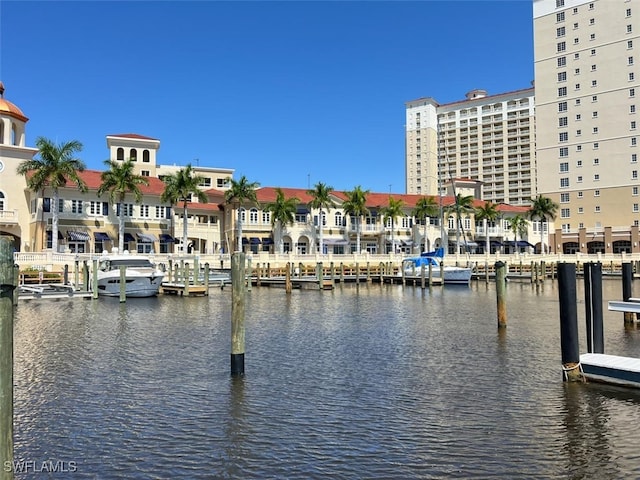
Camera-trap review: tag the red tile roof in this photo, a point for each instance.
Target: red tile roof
(132, 135)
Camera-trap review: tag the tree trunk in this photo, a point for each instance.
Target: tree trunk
(54, 227)
(185, 237)
(121, 227)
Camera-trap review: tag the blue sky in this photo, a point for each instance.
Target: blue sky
(286, 93)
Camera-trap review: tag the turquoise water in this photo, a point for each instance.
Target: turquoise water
(370, 381)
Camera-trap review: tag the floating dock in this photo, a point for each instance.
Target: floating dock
(50, 291)
(599, 367)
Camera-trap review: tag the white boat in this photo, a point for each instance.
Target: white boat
(452, 275)
(142, 276)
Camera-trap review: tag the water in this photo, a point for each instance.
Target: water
(368, 382)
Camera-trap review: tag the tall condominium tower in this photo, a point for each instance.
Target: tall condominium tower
(487, 138)
(587, 128)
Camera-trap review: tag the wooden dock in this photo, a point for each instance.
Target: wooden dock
(50, 291)
(182, 289)
(599, 367)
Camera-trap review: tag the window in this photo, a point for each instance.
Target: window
(634, 191)
(632, 109)
(596, 145)
(577, 101)
(576, 56)
(577, 86)
(580, 209)
(564, 182)
(564, 198)
(634, 141)
(596, 161)
(562, 92)
(562, 121)
(594, 83)
(564, 152)
(595, 129)
(576, 41)
(575, 25)
(564, 213)
(592, 36)
(597, 209)
(562, 76)
(578, 117)
(580, 194)
(593, 68)
(575, 10)
(560, 17)
(635, 207)
(144, 211)
(562, 61)
(562, 107)
(628, 13)
(144, 173)
(577, 71)
(632, 125)
(161, 212)
(579, 179)
(630, 60)
(629, 29)
(559, 3)
(594, 98)
(206, 182)
(592, 21)
(593, 51)
(631, 76)
(563, 137)
(591, 6)
(578, 163)
(596, 193)
(253, 217)
(145, 156)
(596, 177)
(76, 206)
(632, 92)
(629, 43)
(564, 167)
(560, 32)
(634, 158)
(562, 46)
(127, 208)
(95, 208)
(634, 174)
(578, 133)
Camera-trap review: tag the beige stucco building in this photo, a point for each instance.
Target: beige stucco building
(587, 124)
(488, 138)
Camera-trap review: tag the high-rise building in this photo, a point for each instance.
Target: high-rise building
(486, 138)
(587, 128)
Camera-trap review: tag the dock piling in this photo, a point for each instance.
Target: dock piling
(501, 287)
(627, 289)
(7, 287)
(237, 313)
(593, 307)
(569, 322)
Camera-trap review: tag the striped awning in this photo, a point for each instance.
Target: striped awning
(128, 238)
(146, 238)
(78, 236)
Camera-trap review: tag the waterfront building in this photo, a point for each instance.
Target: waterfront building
(487, 138)
(586, 58)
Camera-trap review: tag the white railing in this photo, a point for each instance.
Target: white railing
(9, 216)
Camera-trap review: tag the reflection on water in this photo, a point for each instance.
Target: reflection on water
(368, 381)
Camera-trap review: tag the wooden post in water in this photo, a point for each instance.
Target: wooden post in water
(7, 287)
(16, 283)
(319, 270)
(249, 275)
(237, 313)
(123, 284)
(569, 322)
(185, 278)
(357, 273)
(287, 278)
(65, 274)
(627, 289)
(368, 272)
(501, 287)
(381, 271)
(206, 278)
(431, 276)
(332, 272)
(422, 276)
(76, 275)
(94, 280)
(486, 272)
(341, 272)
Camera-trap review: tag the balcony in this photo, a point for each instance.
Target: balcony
(8, 217)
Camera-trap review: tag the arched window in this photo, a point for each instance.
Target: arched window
(145, 156)
(14, 134)
(2, 140)
(253, 215)
(120, 154)
(452, 223)
(133, 155)
(242, 215)
(337, 219)
(1, 201)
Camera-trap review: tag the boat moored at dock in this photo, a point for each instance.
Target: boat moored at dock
(450, 274)
(143, 278)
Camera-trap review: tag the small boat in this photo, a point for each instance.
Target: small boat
(452, 275)
(142, 276)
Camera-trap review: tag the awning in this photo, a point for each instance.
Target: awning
(302, 210)
(495, 243)
(166, 238)
(524, 243)
(245, 241)
(50, 235)
(255, 241)
(335, 241)
(101, 237)
(267, 241)
(146, 238)
(407, 243)
(78, 236)
(128, 238)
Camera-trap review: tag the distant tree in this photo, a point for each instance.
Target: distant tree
(487, 213)
(392, 211)
(463, 205)
(542, 208)
(519, 227)
(355, 207)
(241, 191)
(120, 180)
(283, 213)
(182, 186)
(426, 208)
(56, 167)
(321, 194)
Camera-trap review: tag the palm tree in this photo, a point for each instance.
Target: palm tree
(392, 211)
(463, 205)
(426, 207)
(182, 186)
(120, 180)
(519, 227)
(283, 212)
(355, 206)
(542, 208)
(56, 166)
(487, 213)
(240, 192)
(321, 199)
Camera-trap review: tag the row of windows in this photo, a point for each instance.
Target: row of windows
(560, 4)
(566, 212)
(133, 155)
(564, 182)
(566, 197)
(564, 151)
(96, 208)
(564, 106)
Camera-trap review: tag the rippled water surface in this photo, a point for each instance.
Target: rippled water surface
(363, 382)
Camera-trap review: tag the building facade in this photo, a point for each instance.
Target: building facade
(487, 138)
(587, 125)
